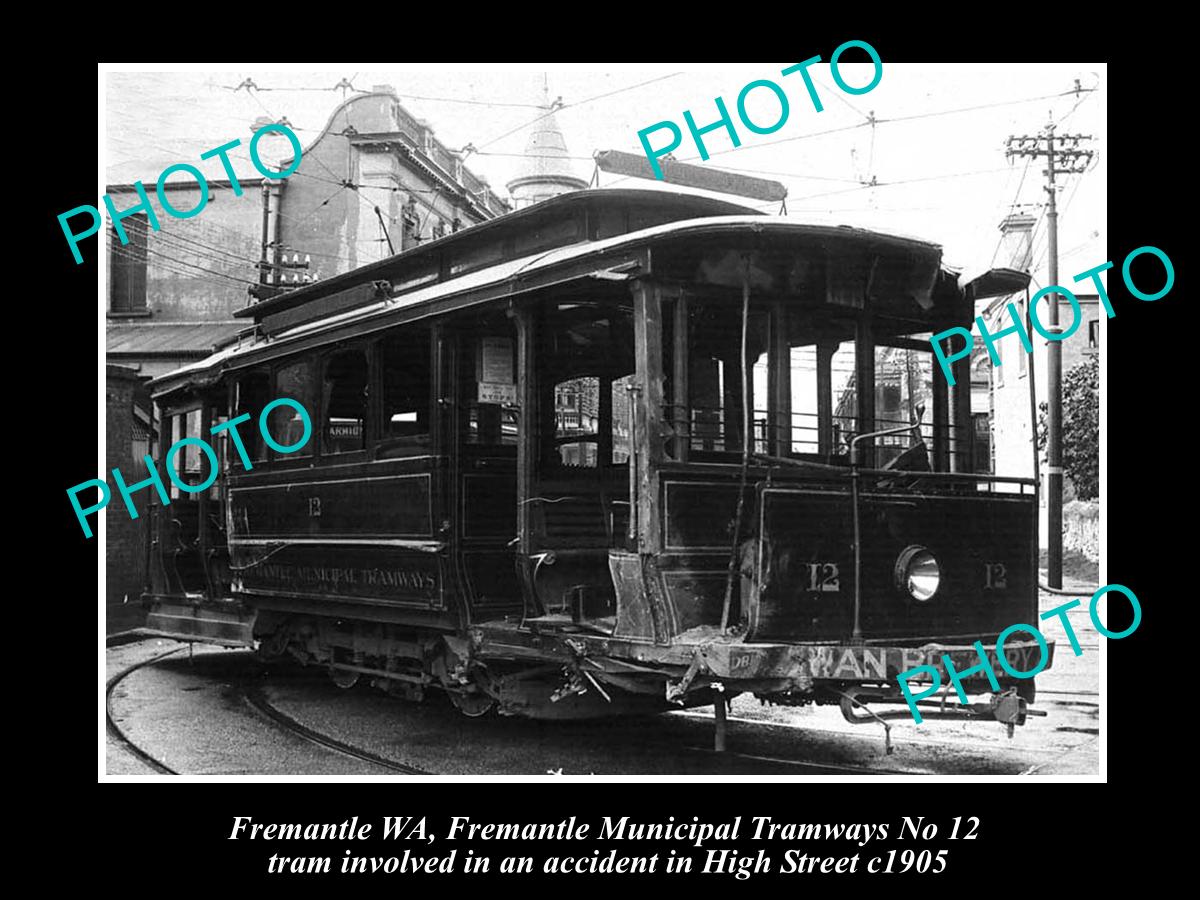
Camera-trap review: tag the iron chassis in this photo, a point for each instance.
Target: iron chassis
(674, 577)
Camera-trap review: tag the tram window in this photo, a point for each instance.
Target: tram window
(220, 445)
(903, 384)
(577, 414)
(345, 402)
(190, 466)
(406, 388)
(177, 434)
(493, 416)
(584, 363)
(294, 381)
(250, 396)
(715, 376)
(192, 451)
(804, 418)
(845, 396)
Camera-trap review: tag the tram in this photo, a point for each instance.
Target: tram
(619, 451)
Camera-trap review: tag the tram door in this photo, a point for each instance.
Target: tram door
(189, 552)
(484, 429)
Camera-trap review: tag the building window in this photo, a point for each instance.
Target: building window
(127, 264)
(1094, 334)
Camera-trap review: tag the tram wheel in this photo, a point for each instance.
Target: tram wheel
(473, 705)
(343, 678)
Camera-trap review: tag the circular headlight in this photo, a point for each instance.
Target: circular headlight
(918, 573)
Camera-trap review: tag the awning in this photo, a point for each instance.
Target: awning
(184, 340)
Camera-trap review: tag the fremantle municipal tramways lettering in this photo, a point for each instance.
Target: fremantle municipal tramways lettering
(370, 577)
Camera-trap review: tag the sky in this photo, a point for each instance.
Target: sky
(941, 174)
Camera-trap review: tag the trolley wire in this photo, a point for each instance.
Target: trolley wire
(561, 106)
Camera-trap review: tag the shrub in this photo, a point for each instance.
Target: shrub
(1081, 428)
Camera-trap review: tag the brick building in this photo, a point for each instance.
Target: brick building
(128, 437)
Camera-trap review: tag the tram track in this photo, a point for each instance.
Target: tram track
(115, 730)
(257, 700)
(694, 759)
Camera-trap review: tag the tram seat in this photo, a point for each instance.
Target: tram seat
(576, 519)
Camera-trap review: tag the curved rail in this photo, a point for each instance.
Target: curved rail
(256, 700)
(115, 730)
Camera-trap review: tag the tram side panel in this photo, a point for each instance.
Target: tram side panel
(358, 543)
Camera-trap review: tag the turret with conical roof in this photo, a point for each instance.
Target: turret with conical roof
(546, 170)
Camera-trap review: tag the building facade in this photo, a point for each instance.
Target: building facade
(1014, 400)
(373, 182)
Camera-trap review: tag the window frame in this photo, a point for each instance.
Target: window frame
(128, 259)
(380, 441)
(370, 431)
(297, 459)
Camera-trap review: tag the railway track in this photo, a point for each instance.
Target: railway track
(257, 700)
(253, 698)
(694, 759)
(117, 732)
(715, 761)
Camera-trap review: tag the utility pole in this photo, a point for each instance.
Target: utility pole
(1063, 157)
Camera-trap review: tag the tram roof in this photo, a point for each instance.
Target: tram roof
(531, 220)
(610, 259)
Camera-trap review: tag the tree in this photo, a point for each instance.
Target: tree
(1081, 428)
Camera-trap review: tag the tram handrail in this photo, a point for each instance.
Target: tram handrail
(892, 473)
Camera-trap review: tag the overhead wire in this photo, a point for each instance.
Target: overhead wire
(1012, 205)
(1084, 93)
(170, 242)
(173, 264)
(562, 106)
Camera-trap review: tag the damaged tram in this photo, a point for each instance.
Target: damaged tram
(618, 451)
